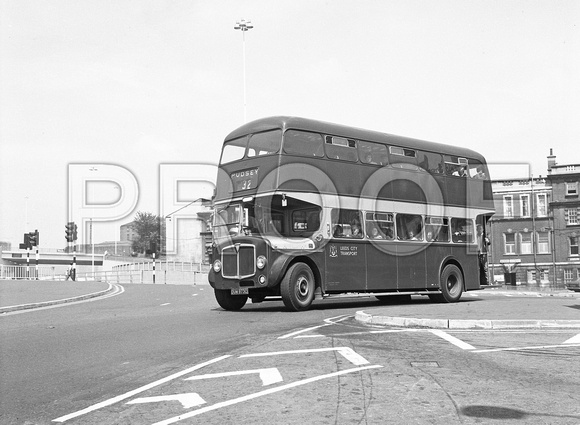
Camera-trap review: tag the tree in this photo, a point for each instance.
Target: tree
(150, 229)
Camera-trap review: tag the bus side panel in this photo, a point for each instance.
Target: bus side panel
(456, 193)
(411, 265)
(469, 265)
(382, 266)
(345, 269)
(436, 252)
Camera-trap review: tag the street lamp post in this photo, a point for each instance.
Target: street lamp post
(244, 26)
(91, 229)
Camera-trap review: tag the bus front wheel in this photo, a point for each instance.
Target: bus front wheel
(451, 284)
(297, 287)
(227, 301)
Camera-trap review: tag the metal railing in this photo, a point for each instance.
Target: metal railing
(33, 272)
(172, 277)
(183, 266)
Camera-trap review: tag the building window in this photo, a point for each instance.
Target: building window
(542, 208)
(508, 206)
(568, 275)
(573, 246)
(526, 243)
(571, 216)
(510, 243)
(543, 243)
(572, 189)
(525, 205)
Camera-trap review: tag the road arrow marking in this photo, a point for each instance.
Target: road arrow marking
(262, 393)
(268, 376)
(187, 400)
(137, 391)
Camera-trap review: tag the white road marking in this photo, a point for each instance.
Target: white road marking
(573, 340)
(260, 394)
(164, 304)
(136, 391)
(347, 352)
(455, 341)
(188, 400)
(328, 322)
(539, 347)
(290, 335)
(268, 376)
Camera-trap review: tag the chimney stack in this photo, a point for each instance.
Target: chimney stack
(551, 161)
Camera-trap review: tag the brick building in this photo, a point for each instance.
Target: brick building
(536, 227)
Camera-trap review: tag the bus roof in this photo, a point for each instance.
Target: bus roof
(286, 122)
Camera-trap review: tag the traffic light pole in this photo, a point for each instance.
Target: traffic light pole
(36, 265)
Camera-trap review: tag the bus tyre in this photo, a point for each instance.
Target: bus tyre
(451, 283)
(297, 287)
(227, 301)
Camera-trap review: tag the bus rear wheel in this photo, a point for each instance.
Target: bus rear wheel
(297, 287)
(451, 285)
(230, 302)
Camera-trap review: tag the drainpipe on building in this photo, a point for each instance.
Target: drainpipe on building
(534, 229)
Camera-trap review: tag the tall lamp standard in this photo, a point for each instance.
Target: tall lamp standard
(91, 231)
(244, 26)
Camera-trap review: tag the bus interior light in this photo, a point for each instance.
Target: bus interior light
(284, 200)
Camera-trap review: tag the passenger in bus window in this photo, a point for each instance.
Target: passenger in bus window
(480, 174)
(355, 229)
(375, 234)
(389, 233)
(460, 172)
(338, 233)
(411, 236)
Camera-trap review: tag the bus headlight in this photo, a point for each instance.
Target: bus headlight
(261, 262)
(217, 266)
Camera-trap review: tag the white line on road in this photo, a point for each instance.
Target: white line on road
(455, 341)
(268, 376)
(573, 340)
(328, 322)
(539, 347)
(136, 391)
(260, 394)
(188, 400)
(347, 352)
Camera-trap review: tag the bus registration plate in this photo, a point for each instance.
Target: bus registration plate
(240, 291)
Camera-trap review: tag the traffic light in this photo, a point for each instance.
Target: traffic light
(26, 244)
(33, 239)
(71, 231)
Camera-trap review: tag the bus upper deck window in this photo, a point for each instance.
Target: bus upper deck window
(403, 157)
(265, 143)
(303, 143)
(372, 153)
(341, 148)
(234, 150)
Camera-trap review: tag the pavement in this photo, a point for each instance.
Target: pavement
(491, 308)
(16, 295)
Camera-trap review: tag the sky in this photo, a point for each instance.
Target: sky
(140, 84)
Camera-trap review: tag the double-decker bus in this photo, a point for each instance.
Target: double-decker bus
(308, 210)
